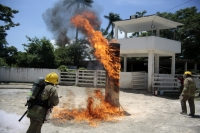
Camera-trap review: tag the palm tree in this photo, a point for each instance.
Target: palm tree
(139, 14)
(111, 18)
(78, 5)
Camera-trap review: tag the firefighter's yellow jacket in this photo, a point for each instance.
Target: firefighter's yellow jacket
(50, 94)
(189, 87)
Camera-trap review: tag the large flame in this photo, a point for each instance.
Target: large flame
(99, 43)
(97, 110)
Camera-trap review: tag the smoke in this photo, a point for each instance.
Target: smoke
(95, 65)
(57, 20)
(9, 123)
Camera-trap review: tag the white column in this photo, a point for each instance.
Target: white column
(125, 64)
(116, 32)
(157, 64)
(185, 68)
(95, 78)
(77, 73)
(125, 34)
(173, 65)
(158, 32)
(195, 67)
(150, 68)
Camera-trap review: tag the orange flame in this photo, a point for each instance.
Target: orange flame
(97, 110)
(99, 43)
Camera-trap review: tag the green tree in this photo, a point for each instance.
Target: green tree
(188, 34)
(39, 53)
(2, 62)
(61, 55)
(141, 14)
(111, 18)
(6, 15)
(78, 6)
(73, 54)
(7, 54)
(21, 59)
(11, 53)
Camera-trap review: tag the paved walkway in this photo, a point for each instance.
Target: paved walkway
(15, 85)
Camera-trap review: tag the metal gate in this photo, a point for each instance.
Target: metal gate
(139, 80)
(95, 78)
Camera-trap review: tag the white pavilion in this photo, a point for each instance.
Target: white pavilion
(152, 47)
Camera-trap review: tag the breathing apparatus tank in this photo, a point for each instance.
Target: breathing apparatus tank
(38, 85)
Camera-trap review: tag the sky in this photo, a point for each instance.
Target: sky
(33, 25)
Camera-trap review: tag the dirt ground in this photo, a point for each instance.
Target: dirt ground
(145, 113)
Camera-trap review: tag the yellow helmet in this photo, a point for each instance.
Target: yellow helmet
(52, 78)
(188, 73)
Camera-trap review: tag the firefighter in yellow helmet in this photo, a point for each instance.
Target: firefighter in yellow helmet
(188, 94)
(47, 99)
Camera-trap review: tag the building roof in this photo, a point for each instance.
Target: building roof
(145, 24)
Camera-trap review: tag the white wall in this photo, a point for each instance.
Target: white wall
(24, 74)
(136, 43)
(31, 74)
(167, 45)
(142, 44)
(125, 80)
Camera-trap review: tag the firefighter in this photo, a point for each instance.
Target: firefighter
(49, 98)
(188, 94)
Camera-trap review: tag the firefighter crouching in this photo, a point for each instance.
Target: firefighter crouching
(48, 99)
(188, 94)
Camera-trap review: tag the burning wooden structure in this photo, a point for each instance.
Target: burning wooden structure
(109, 55)
(112, 82)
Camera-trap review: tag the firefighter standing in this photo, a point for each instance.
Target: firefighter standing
(188, 94)
(49, 98)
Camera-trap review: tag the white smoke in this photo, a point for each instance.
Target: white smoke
(9, 123)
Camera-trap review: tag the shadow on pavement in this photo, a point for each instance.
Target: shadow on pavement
(135, 91)
(126, 113)
(195, 116)
(147, 93)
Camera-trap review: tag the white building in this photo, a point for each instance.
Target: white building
(152, 47)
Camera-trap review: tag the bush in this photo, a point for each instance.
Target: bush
(3, 63)
(63, 68)
(82, 68)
